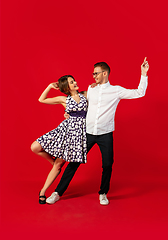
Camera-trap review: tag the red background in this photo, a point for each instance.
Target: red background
(43, 40)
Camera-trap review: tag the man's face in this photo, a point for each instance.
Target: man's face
(98, 75)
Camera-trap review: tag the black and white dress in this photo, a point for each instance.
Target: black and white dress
(68, 140)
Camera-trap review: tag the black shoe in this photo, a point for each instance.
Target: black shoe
(43, 200)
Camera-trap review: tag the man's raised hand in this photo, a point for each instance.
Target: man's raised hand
(144, 67)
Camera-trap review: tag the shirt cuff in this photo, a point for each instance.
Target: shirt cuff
(143, 78)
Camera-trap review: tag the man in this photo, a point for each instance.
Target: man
(102, 103)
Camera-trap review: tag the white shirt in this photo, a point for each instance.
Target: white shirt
(102, 103)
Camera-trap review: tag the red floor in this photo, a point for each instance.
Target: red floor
(137, 210)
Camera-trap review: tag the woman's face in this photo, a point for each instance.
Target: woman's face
(72, 84)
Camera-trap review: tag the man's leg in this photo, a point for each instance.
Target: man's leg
(91, 140)
(68, 174)
(105, 143)
(64, 182)
(71, 169)
(67, 177)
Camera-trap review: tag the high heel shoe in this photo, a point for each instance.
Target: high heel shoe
(42, 201)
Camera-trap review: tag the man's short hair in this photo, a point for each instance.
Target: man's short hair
(104, 66)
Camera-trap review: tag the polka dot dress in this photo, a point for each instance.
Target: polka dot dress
(68, 140)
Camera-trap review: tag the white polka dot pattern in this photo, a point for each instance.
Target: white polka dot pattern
(68, 140)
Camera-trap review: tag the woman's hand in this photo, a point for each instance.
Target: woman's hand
(93, 85)
(54, 85)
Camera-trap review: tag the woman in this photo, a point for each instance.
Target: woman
(68, 141)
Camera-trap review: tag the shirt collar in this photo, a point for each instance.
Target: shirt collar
(104, 85)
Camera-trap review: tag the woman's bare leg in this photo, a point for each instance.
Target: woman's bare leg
(37, 148)
(56, 169)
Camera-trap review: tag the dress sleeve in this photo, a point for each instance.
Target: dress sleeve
(124, 93)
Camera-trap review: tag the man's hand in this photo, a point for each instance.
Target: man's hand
(144, 67)
(66, 115)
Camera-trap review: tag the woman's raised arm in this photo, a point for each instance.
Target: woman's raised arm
(55, 100)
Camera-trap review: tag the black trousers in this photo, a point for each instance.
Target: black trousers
(105, 143)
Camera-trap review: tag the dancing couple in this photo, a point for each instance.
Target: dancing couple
(89, 120)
